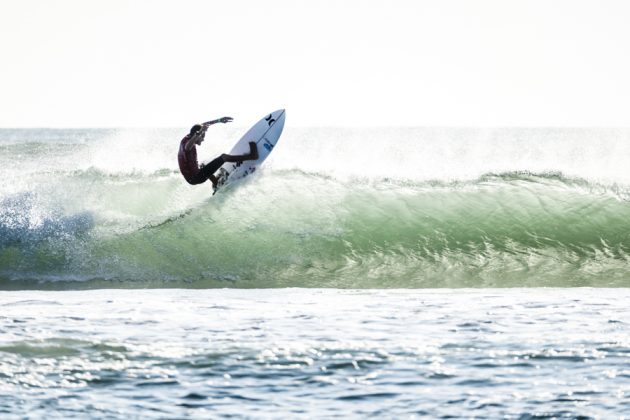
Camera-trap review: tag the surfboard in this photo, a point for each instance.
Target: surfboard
(265, 133)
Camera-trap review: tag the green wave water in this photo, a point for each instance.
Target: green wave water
(299, 229)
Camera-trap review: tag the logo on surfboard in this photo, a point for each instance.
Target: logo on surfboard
(267, 145)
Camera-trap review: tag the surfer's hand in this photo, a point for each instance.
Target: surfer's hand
(225, 120)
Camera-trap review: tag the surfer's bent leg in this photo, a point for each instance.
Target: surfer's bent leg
(206, 171)
(253, 154)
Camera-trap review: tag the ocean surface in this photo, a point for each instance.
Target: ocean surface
(387, 272)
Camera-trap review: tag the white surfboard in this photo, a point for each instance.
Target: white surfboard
(265, 133)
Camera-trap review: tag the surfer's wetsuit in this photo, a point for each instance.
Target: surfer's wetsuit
(189, 166)
(195, 174)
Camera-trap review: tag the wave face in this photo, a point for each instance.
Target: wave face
(347, 208)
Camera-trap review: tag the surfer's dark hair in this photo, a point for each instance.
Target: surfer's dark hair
(195, 129)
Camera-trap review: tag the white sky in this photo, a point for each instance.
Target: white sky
(79, 63)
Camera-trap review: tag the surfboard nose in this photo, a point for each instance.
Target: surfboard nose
(279, 116)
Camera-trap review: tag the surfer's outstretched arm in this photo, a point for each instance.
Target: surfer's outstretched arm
(198, 132)
(223, 120)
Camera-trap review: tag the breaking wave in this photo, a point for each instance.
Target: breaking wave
(88, 226)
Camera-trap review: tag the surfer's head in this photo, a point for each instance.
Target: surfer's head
(196, 132)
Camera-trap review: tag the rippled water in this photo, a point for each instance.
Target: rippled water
(514, 353)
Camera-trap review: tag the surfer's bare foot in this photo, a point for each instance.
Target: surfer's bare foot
(214, 180)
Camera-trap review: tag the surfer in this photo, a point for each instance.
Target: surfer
(187, 156)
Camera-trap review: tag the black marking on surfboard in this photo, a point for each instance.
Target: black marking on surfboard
(270, 119)
(221, 178)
